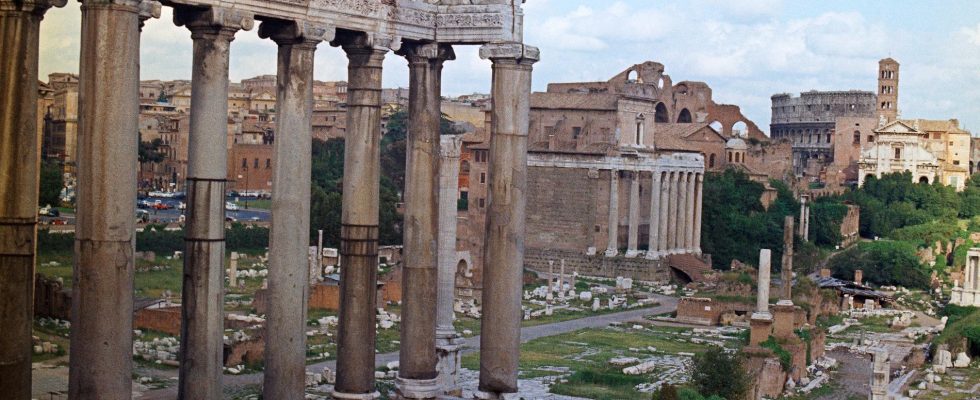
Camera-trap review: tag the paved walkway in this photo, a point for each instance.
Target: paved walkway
(667, 304)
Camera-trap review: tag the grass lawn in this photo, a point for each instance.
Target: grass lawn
(586, 353)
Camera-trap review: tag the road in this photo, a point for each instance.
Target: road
(667, 304)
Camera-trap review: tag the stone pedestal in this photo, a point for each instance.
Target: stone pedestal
(784, 316)
(880, 375)
(448, 349)
(761, 328)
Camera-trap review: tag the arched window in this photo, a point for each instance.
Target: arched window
(661, 115)
(924, 179)
(740, 129)
(684, 117)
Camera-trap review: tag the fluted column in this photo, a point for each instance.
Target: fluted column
(359, 219)
(634, 215)
(503, 268)
(692, 210)
(662, 230)
(613, 229)
(20, 23)
(697, 213)
(678, 213)
(202, 324)
(417, 369)
(289, 235)
(448, 342)
(653, 239)
(101, 360)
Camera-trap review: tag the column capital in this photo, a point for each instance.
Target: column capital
(215, 21)
(361, 41)
(296, 32)
(146, 9)
(36, 7)
(451, 146)
(426, 52)
(518, 52)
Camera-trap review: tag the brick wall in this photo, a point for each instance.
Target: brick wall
(165, 320)
(560, 209)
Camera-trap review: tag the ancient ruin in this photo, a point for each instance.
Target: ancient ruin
(967, 293)
(108, 85)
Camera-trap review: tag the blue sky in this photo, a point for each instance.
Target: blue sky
(745, 50)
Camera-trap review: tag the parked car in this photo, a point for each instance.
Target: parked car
(231, 206)
(159, 205)
(182, 206)
(142, 216)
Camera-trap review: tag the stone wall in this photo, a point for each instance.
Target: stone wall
(166, 320)
(561, 211)
(51, 299)
(851, 225)
(698, 310)
(246, 352)
(638, 268)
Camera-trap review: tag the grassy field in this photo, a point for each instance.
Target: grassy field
(585, 354)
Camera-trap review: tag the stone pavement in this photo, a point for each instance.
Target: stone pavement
(667, 304)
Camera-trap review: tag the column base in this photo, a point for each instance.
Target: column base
(611, 252)
(355, 396)
(417, 388)
(652, 255)
(481, 395)
(632, 253)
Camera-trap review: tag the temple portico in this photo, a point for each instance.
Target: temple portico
(424, 32)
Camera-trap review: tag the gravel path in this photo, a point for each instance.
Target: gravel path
(667, 304)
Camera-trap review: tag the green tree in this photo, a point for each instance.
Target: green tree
(717, 373)
(51, 183)
(884, 262)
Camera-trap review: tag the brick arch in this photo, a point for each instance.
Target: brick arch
(662, 115)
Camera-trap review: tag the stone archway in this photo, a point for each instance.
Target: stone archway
(684, 117)
(662, 115)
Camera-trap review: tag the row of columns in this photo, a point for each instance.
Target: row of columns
(675, 213)
(102, 307)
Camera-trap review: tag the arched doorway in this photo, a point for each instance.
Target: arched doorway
(661, 116)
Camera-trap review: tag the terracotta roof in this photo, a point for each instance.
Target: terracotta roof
(935, 125)
(575, 101)
(674, 137)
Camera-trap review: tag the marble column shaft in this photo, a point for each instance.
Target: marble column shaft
(448, 200)
(101, 361)
(289, 236)
(20, 23)
(417, 353)
(634, 213)
(663, 229)
(653, 241)
(765, 267)
(500, 338)
(202, 327)
(613, 229)
(672, 213)
(786, 292)
(697, 213)
(692, 192)
(359, 221)
(681, 217)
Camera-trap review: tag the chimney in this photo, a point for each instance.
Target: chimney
(858, 276)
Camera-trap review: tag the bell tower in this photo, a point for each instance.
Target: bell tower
(888, 89)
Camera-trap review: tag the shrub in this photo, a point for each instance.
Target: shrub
(717, 373)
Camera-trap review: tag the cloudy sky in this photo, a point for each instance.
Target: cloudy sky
(745, 50)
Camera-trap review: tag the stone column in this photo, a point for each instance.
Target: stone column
(806, 228)
(417, 375)
(105, 233)
(682, 212)
(692, 210)
(765, 265)
(448, 342)
(662, 230)
(202, 311)
(786, 292)
(20, 23)
(561, 281)
(697, 213)
(289, 236)
(500, 338)
(233, 271)
(880, 375)
(803, 216)
(359, 219)
(613, 248)
(653, 242)
(634, 215)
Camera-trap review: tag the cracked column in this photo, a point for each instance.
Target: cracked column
(663, 229)
(101, 361)
(359, 219)
(634, 215)
(448, 341)
(653, 241)
(697, 213)
(289, 235)
(613, 229)
(202, 311)
(20, 23)
(500, 338)
(417, 374)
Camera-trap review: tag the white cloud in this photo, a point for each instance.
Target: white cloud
(972, 34)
